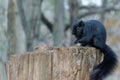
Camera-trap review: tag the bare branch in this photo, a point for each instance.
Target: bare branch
(99, 10)
(47, 22)
(50, 25)
(88, 7)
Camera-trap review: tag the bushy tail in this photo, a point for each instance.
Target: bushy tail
(106, 66)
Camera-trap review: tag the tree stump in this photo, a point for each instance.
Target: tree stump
(52, 63)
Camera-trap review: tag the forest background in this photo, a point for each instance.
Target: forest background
(25, 24)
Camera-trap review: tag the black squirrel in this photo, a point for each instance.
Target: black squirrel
(93, 33)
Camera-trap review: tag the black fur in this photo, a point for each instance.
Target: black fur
(93, 33)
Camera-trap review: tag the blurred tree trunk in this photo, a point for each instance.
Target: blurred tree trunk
(3, 37)
(30, 13)
(58, 30)
(16, 38)
(104, 5)
(73, 14)
(11, 29)
(36, 17)
(35, 20)
(27, 28)
(73, 10)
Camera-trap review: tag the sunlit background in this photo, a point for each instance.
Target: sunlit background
(25, 24)
(92, 2)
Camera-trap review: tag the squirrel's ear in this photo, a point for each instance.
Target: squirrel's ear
(81, 23)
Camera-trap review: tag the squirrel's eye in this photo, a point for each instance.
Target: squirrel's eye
(78, 28)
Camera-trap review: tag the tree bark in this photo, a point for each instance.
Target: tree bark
(51, 63)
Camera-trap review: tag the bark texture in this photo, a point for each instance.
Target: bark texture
(51, 63)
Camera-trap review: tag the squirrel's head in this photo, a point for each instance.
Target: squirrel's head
(77, 28)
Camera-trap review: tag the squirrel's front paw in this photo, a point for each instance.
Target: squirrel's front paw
(76, 42)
